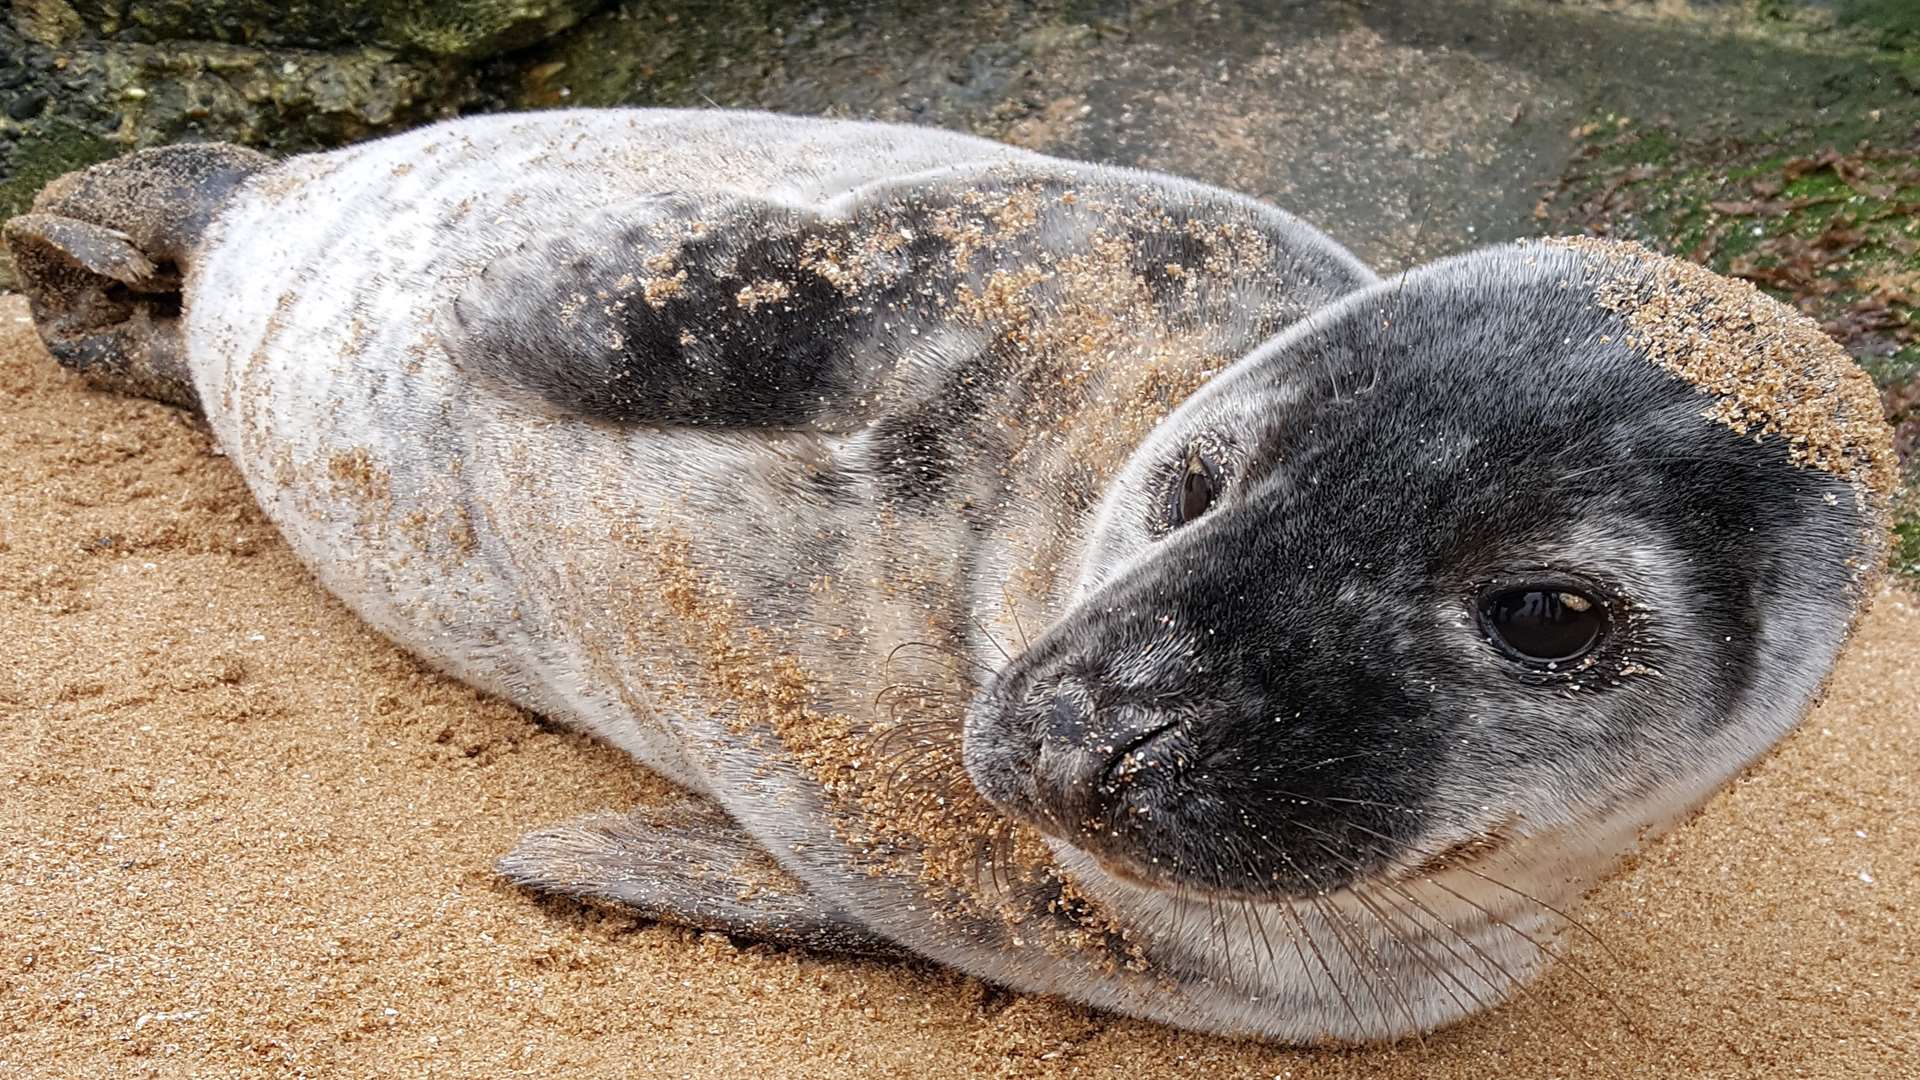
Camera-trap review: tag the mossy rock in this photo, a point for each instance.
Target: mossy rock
(49, 152)
(1895, 24)
(65, 108)
(443, 28)
(478, 27)
(299, 23)
(277, 100)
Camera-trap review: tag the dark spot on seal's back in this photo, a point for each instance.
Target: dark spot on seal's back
(698, 315)
(914, 446)
(744, 335)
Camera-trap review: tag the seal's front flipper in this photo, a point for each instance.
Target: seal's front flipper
(687, 863)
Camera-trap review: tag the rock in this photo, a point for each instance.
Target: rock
(27, 105)
(442, 28)
(48, 22)
(91, 98)
(282, 99)
(83, 80)
(475, 29)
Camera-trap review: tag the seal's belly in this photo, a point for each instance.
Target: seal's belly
(484, 534)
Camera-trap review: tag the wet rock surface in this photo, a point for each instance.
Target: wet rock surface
(64, 107)
(84, 80)
(1405, 128)
(437, 27)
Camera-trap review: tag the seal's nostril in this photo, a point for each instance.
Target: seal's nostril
(1067, 720)
(1140, 753)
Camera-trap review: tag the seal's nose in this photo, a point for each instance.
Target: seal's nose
(1067, 720)
(1087, 756)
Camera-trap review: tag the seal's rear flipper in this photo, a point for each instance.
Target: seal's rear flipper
(104, 251)
(687, 863)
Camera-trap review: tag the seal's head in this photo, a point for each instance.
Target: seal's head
(1527, 550)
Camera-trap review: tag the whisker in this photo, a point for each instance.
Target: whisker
(1584, 929)
(1523, 988)
(1501, 884)
(1378, 964)
(1360, 897)
(1514, 984)
(991, 640)
(1300, 926)
(1014, 610)
(1462, 961)
(921, 690)
(1578, 970)
(1217, 931)
(914, 772)
(1513, 981)
(896, 757)
(1369, 978)
(1345, 757)
(1329, 914)
(1245, 909)
(937, 650)
(1331, 800)
(1680, 460)
(922, 723)
(1259, 925)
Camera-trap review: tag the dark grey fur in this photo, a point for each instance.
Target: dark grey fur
(565, 319)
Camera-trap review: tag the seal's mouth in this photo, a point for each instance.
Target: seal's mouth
(1461, 854)
(1457, 857)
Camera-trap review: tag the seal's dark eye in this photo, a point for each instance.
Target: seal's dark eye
(1543, 625)
(1195, 492)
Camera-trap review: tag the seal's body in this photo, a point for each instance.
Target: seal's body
(1083, 577)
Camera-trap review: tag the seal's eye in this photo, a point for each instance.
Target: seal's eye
(1542, 624)
(1195, 492)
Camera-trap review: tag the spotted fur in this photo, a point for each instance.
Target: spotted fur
(824, 467)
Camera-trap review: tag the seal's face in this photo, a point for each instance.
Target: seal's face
(1455, 565)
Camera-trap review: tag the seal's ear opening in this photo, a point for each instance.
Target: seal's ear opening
(103, 254)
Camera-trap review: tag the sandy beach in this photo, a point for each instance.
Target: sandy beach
(245, 836)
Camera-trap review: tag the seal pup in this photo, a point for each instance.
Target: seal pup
(1093, 581)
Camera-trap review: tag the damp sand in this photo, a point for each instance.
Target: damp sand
(244, 836)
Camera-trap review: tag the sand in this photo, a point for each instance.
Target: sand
(245, 836)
